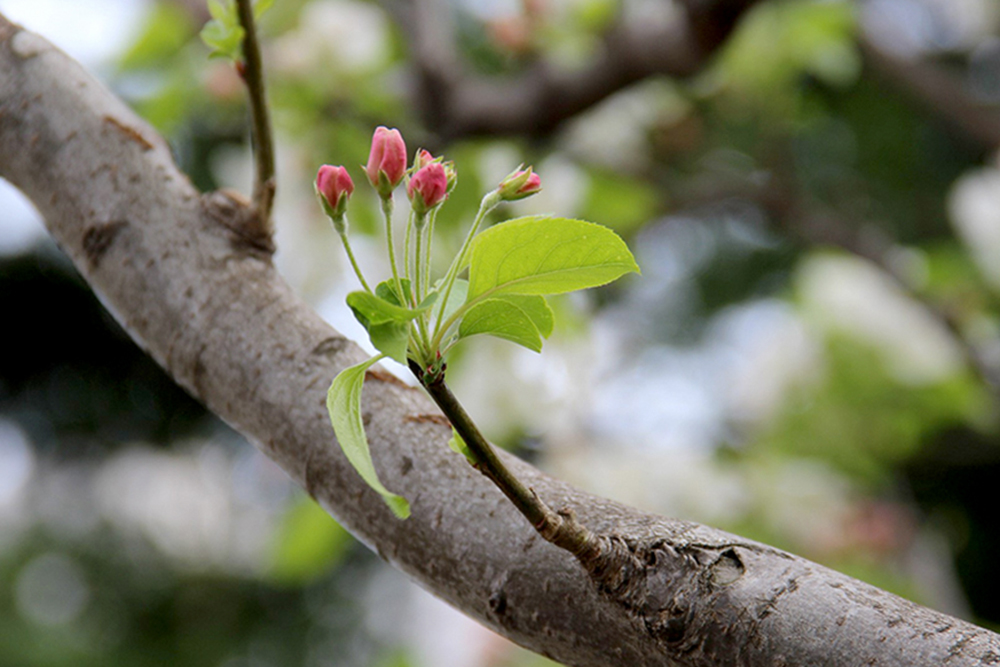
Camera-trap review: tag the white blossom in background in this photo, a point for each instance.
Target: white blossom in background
(345, 35)
(911, 28)
(615, 132)
(187, 505)
(847, 294)
(974, 208)
(776, 352)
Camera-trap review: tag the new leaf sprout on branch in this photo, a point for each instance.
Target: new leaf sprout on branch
(496, 285)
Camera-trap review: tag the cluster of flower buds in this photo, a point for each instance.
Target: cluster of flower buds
(430, 182)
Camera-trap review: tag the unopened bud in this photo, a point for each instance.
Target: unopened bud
(519, 184)
(334, 187)
(386, 161)
(428, 187)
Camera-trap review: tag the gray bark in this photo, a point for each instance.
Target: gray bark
(178, 271)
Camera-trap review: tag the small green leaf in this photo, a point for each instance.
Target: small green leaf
(545, 255)
(223, 11)
(225, 41)
(387, 290)
(343, 402)
(503, 319)
(377, 310)
(261, 6)
(458, 446)
(391, 339)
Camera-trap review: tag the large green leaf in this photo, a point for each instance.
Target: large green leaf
(343, 402)
(546, 255)
(503, 319)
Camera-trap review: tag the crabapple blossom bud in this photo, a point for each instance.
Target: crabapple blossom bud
(334, 187)
(423, 158)
(519, 184)
(428, 187)
(387, 161)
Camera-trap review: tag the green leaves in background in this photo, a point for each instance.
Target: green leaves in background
(343, 402)
(224, 34)
(308, 545)
(546, 255)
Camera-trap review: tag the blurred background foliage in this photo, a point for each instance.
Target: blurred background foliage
(811, 357)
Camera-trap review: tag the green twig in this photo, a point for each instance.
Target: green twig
(560, 528)
(263, 142)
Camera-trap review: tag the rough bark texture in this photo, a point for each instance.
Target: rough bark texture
(202, 297)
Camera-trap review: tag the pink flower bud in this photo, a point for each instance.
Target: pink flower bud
(387, 160)
(519, 184)
(423, 158)
(334, 187)
(428, 187)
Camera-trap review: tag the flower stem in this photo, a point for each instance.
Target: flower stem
(354, 262)
(489, 202)
(431, 218)
(387, 214)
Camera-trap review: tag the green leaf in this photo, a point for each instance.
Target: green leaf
(536, 308)
(224, 34)
(545, 255)
(458, 446)
(459, 291)
(503, 319)
(225, 41)
(377, 310)
(223, 11)
(343, 402)
(391, 339)
(387, 290)
(261, 6)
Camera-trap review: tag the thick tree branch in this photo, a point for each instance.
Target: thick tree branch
(174, 270)
(456, 103)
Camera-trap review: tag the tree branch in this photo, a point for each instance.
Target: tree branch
(209, 306)
(455, 103)
(938, 90)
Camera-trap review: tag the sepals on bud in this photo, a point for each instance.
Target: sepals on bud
(519, 184)
(428, 187)
(386, 161)
(334, 187)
